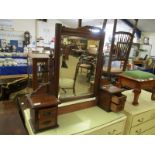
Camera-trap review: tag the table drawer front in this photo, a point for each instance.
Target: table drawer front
(149, 132)
(114, 129)
(47, 114)
(118, 99)
(46, 124)
(137, 130)
(143, 117)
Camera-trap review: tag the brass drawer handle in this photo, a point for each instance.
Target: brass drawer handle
(113, 132)
(139, 131)
(141, 120)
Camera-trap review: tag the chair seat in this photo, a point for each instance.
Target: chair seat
(137, 74)
(114, 70)
(85, 66)
(66, 83)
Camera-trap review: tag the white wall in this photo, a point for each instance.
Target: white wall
(35, 27)
(25, 25)
(46, 30)
(151, 36)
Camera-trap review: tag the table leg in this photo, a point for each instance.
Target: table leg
(136, 92)
(153, 94)
(118, 83)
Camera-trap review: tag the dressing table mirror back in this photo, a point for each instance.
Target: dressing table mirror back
(86, 32)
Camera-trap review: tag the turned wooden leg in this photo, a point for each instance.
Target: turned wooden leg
(153, 94)
(118, 83)
(136, 92)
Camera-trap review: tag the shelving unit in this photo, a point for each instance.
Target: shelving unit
(13, 63)
(142, 49)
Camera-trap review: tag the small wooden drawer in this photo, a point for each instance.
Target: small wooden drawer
(149, 132)
(46, 124)
(113, 129)
(117, 107)
(48, 113)
(143, 117)
(139, 129)
(118, 98)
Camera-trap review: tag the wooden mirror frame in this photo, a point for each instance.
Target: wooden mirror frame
(84, 32)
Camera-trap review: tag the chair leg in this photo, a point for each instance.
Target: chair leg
(64, 90)
(74, 91)
(81, 70)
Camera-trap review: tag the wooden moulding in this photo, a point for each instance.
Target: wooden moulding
(75, 107)
(83, 32)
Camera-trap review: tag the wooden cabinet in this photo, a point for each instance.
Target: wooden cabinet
(43, 111)
(90, 121)
(140, 118)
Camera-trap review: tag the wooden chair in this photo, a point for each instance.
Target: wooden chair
(85, 59)
(69, 83)
(88, 62)
(119, 52)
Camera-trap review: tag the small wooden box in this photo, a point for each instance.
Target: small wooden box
(118, 102)
(118, 98)
(43, 111)
(117, 107)
(109, 94)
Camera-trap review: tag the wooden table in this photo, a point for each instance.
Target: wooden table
(137, 85)
(10, 121)
(9, 78)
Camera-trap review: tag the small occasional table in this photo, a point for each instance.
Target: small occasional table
(137, 85)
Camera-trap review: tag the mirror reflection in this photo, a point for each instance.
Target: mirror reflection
(77, 66)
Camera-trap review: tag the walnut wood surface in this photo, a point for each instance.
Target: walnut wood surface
(42, 100)
(10, 121)
(75, 107)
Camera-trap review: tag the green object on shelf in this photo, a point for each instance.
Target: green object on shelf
(137, 74)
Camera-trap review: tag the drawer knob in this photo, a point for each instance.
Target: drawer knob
(113, 132)
(141, 120)
(139, 131)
